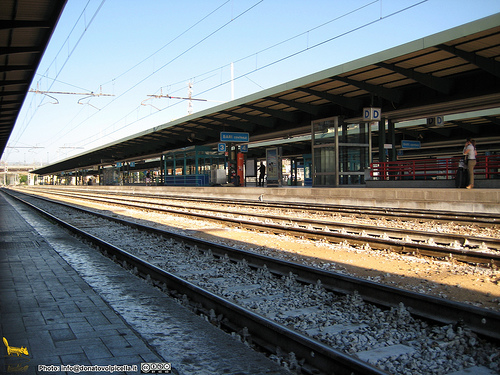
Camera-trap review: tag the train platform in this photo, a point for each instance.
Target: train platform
(65, 306)
(428, 199)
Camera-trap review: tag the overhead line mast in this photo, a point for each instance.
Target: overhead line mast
(87, 94)
(189, 98)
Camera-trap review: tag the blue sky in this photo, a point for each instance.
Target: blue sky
(135, 48)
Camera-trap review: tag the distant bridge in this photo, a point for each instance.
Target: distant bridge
(11, 174)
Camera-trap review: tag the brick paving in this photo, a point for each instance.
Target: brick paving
(47, 307)
(70, 305)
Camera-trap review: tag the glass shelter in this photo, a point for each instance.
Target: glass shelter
(191, 166)
(340, 152)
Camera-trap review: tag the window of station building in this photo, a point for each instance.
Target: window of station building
(324, 152)
(353, 153)
(324, 132)
(169, 165)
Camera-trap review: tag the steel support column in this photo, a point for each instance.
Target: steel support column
(392, 139)
(381, 141)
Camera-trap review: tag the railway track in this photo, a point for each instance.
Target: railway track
(268, 328)
(434, 216)
(466, 248)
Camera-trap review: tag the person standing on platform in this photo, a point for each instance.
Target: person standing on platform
(262, 173)
(470, 152)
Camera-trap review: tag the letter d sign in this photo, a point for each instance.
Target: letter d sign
(440, 121)
(371, 114)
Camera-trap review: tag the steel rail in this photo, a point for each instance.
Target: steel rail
(418, 235)
(482, 321)
(268, 333)
(398, 240)
(400, 213)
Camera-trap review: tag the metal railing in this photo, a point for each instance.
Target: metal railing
(487, 167)
(188, 180)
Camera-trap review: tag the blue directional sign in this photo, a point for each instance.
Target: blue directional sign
(244, 148)
(221, 147)
(410, 144)
(234, 137)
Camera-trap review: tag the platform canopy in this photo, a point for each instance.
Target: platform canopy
(25, 30)
(454, 71)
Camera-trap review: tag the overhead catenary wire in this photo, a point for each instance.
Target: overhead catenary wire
(316, 45)
(239, 60)
(172, 60)
(89, 141)
(190, 48)
(167, 44)
(62, 82)
(122, 74)
(279, 43)
(282, 42)
(244, 75)
(23, 129)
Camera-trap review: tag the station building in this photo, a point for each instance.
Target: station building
(399, 117)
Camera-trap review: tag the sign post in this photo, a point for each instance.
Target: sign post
(233, 164)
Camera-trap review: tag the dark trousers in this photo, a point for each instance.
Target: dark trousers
(261, 180)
